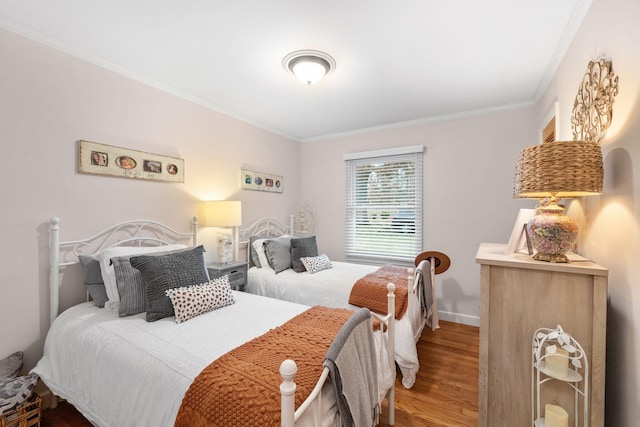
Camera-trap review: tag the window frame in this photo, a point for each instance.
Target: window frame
(387, 231)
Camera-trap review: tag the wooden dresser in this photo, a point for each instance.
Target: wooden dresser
(519, 295)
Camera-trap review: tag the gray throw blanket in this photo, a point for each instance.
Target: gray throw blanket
(426, 293)
(353, 371)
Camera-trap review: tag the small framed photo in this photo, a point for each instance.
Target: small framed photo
(519, 237)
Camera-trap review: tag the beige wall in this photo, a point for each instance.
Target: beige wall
(611, 221)
(469, 165)
(48, 101)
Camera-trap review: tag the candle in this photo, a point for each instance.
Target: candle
(555, 416)
(557, 363)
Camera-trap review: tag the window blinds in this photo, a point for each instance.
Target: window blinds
(384, 207)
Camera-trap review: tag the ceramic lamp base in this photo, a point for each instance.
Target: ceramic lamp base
(551, 257)
(552, 234)
(225, 246)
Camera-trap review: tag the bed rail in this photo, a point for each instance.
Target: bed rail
(128, 233)
(288, 370)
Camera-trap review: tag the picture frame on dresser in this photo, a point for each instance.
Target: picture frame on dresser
(519, 238)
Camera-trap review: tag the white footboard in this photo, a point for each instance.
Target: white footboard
(288, 370)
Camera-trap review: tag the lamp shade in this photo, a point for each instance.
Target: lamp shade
(222, 213)
(559, 168)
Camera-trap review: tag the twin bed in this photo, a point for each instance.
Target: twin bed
(332, 287)
(119, 369)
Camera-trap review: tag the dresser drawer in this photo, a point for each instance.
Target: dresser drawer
(237, 278)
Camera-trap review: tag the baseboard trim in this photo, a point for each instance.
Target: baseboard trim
(465, 319)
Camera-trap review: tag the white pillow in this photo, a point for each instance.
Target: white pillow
(258, 245)
(108, 271)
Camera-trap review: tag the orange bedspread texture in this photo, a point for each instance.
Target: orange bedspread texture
(242, 388)
(370, 291)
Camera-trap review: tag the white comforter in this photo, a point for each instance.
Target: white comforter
(128, 372)
(331, 288)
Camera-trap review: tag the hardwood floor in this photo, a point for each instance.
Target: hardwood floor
(445, 393)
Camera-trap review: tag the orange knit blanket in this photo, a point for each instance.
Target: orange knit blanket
(242, 388)
(370, 291)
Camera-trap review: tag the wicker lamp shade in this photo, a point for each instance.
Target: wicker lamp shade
(560, 169)
(556, 170)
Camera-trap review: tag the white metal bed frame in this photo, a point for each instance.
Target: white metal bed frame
(146, 233)
(267, 227)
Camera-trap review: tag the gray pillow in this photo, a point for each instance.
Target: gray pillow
(278, 253)
(10, 366)
(164, 272)
(302, 247)
(130, 287)
(93, 279)
(130, 284)
(253, 259)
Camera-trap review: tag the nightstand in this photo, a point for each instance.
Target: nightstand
(236, 270)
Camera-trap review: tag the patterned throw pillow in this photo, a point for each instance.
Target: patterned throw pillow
(191, 301)
(316, 263)
(10, 366)
(16, 391)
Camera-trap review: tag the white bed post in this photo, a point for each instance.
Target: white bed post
(54, 282)
(288, 370)
(391, 351)
(292, 229)
(195, 231)
(434, 304)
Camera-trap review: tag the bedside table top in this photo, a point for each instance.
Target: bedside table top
(226, 265)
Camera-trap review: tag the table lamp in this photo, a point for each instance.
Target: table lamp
(224, 213)
(552, 171)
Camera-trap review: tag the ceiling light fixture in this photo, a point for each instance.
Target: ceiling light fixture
(309, 66)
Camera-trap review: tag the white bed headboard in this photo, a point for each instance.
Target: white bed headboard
(266, 227)
(128, 233)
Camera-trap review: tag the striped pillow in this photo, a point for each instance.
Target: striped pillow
(278, 253)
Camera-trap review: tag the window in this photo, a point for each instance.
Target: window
(384, 205)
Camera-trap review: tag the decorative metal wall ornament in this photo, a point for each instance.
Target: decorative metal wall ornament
(593, 107)
(303, 222)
